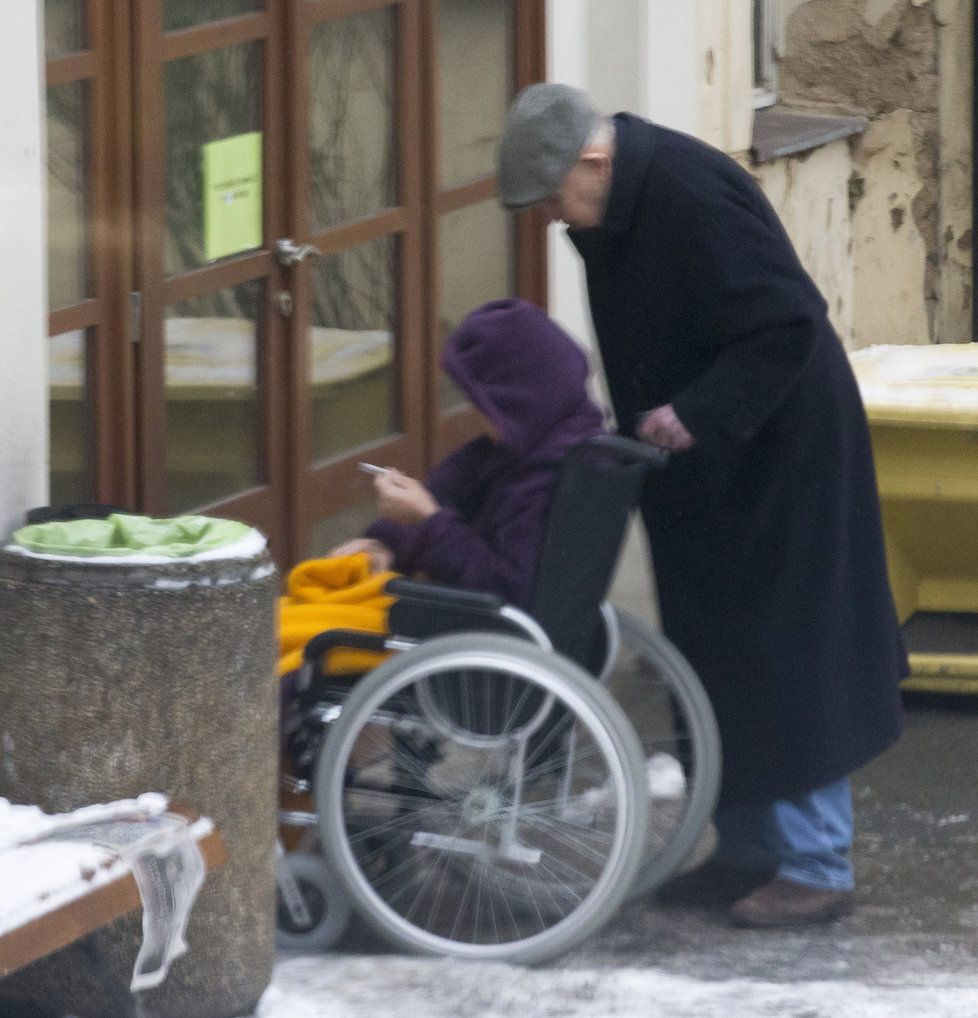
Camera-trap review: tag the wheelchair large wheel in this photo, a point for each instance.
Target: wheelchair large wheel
(673, 718)
(481, 798)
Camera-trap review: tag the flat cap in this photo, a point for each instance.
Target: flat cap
(547, 128)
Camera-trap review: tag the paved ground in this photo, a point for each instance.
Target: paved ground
(911, 949)
(916, 855)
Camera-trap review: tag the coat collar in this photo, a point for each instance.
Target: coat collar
(634, 141)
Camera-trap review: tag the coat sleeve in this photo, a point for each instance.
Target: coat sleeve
(451, 484)
(451, 480)
(448, 550)
(764, 317)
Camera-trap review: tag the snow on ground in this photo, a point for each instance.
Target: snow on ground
(345, 986)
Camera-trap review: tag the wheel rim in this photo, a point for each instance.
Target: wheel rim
(489, 843)
(674, 721)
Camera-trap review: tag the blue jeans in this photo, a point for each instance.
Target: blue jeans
(805, 839)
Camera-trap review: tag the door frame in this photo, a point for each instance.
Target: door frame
(103, 312)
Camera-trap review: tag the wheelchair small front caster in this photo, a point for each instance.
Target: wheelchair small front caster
(311, 911)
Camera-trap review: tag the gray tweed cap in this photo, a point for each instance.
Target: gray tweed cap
(546, 129)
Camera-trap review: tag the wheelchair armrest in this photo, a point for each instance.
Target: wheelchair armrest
(443, 597)
(351, 639)
(426, 610)
(422, 610)
(317, 649)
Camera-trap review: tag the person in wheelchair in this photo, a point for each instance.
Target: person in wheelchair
(477, 521)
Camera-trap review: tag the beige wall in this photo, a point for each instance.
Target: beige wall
(724, 67)
(811, 196)
(23, 324)
(891, 277)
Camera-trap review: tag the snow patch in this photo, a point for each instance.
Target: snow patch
(345, 986)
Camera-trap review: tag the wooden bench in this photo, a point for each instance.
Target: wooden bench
(63, 914)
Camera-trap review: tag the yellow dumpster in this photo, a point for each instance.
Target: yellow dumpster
(922, 404)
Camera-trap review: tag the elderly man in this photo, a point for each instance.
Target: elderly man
(764, 529)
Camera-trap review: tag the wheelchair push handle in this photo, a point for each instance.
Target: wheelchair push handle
(631, 451)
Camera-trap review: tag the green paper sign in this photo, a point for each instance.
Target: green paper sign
(232, 195)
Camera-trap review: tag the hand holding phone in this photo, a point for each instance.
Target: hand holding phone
(403, 499)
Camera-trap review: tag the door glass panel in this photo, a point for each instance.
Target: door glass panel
(475, 266)
(344, 526)
(64, 27)
(67, 128)
(351, 118)
(187, 13)
(475, 74)
(209, 97)
(212, 407)
(70, 474)
(351, 348)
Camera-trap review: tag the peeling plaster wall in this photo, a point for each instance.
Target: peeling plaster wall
(876, 55)
(892, 269)
(811, 195)
(906, 64)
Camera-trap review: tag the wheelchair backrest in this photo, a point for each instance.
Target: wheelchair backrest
(599, 487)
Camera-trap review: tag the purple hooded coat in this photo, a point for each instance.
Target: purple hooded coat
(527, 376)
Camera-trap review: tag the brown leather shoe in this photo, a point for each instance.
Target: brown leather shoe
(714, 884)
(786, 903)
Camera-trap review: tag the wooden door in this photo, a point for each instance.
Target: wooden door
(244, 370)
(212, 354)
(358, 368)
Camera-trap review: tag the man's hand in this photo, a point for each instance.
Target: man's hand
(404, 499)
(381, 557)
(662, 427)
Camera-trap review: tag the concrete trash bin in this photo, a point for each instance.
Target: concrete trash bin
(922, 404)
(120, 676)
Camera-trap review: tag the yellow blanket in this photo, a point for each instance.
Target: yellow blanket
(332, 593)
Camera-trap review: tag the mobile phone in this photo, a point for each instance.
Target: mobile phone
(369, 468)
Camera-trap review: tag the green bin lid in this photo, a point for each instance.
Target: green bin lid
(121, 536)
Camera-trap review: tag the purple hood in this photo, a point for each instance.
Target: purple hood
(528, 377)
(520, 369)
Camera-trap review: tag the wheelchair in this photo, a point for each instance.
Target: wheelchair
(481, 793)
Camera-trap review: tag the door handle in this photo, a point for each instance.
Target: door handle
(290, 253)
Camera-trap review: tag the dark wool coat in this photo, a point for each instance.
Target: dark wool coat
(766, 536)
(528, 377)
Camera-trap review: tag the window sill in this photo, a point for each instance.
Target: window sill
(782, 131)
